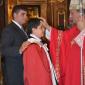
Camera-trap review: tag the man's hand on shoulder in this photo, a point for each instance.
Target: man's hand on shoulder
(24, 46)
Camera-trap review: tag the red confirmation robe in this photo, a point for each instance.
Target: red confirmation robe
(66, 56)
(36, 66)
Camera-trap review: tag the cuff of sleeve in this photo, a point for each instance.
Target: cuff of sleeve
(47, 34)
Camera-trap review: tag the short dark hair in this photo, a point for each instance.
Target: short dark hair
(32, 23)
(17, 8)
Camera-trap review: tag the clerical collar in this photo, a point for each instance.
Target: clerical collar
(17, 24)
(34, 36)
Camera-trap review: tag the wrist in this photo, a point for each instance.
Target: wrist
(48, 27)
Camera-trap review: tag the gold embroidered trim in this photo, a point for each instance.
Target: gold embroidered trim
(57, 67)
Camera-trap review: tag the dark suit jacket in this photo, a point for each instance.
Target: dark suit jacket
(12, 38)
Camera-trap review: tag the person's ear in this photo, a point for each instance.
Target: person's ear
(33, 29)
(14, 15)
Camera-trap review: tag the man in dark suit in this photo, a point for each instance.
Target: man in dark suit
(13, 43)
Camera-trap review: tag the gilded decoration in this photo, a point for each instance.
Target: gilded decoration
(60, 1)
(56, 1)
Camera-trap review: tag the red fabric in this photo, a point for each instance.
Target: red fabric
(68, 56)
(72, 76)
(36, 66)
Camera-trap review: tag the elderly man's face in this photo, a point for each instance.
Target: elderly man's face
(74, 15)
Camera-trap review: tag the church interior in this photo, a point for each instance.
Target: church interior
(56, 12)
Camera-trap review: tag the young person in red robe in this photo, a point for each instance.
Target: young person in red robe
(38, 69)
(66, 52)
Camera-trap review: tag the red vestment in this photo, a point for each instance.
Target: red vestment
(36, 66)
(69, 56)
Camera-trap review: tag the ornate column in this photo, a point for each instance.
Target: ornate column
(57, 13)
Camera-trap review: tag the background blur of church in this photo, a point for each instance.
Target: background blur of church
(56, 12)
